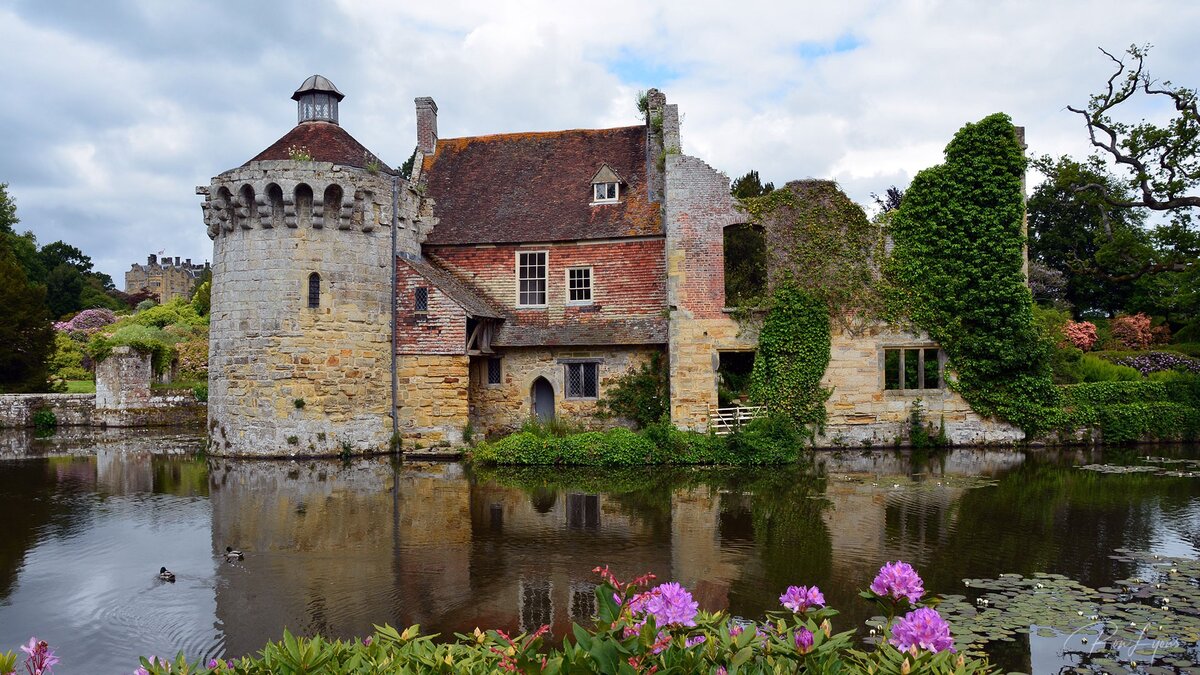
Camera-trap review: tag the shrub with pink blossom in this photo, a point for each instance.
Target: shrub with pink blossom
(922, 628)
(1132, 331)
(87, 321)
(1081, 334)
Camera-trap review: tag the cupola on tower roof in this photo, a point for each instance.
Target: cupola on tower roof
(317, 100)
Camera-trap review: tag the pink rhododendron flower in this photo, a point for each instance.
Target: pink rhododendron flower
(801, 598)
(923, 628)
(898, 580)
(804, 640)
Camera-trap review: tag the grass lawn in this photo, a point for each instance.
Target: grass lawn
(81, 387)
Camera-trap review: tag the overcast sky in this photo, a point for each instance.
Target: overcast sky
(114, 111)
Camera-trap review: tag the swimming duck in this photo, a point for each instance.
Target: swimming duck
(231, 554)
(166, 574)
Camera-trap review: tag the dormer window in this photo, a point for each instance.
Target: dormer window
(605, 192)
(606, 186)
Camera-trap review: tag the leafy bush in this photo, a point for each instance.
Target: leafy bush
(641, 396)
(793, 353)
(1124, 412)
(1082, 334)
(144, 339)
(44, 419)
(201, 392)
(88, 320)
(177, 311)
(67, 361)
(1132, 331)
(1154, 362)
(1094, 369)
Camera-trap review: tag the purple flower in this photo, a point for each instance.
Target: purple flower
(668, 603)
(898, 580)
(40, 658)
(721, 670)
(367, 641)
(800, 598)
(735, 629)
(696, 640)
(804, 640)
(923, 628)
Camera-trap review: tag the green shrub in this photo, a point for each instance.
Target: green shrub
(1091, 368)
(640, 396)
(1166, 408)
(44, 419)
(793, 353)
(201, 392)
(177, 311)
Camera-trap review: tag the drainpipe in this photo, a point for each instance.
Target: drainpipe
(392, 294)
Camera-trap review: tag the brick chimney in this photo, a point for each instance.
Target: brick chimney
(426, 124)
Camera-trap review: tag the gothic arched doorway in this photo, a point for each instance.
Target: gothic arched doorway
(542, 397)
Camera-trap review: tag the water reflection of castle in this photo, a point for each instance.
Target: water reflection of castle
(335, 550)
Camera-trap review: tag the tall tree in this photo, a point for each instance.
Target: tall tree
(745, 248)
(26, 335)
(64, 285)
(8, 212)
(61, 253)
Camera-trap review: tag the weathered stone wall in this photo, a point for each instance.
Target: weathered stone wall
(503, 408)
(123, 380)
(285, 378)
(861, 412)
(16, 410)
(627, 278)
(431, 400)
(698, 208)
(163, 408)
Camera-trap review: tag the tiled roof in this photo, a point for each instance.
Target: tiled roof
(325, 142)
(536, 187)
(471, 302)
(614, 332)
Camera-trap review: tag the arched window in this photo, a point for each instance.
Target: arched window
(314, 290)
(275, 199)
(304, 205)
(247, 209)
(333, 206)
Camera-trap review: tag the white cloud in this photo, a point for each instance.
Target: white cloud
(114, 116)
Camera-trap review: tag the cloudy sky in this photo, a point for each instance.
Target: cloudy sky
(115, 110)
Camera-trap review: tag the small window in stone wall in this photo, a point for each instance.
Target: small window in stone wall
(494, 371)
(912, 368)
(314, 290)
(421, 300)
(583, 380)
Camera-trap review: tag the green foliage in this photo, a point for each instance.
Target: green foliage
(956, 272)
(64, 285)
(1092, 368)
(202, 299)
(921, 432)
(793, 352)
(26, 335)
(406, 169)
(176, 312)
(200, 391)
(641, 396)
(67, 361)
(1124, 412)
(298, 404)
(745, 265)
(44, 419)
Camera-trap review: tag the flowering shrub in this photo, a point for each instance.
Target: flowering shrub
(897, 581)
(637, 629)
(1154, 362)
(39, 659)
(87, 321)
(1081, 334)
(1133, 332)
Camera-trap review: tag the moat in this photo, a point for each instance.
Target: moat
(333, 548)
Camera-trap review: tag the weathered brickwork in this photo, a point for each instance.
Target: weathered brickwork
(441, 329)
(431, 403)
(862, 412)
(286, 378)
(628, 278)
(503, 408)
(698, 208)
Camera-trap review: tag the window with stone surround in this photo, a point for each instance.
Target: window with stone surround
(494, 370)
(531, 278)
(912, 368)
(314, 290)
(583, 379)
(579, 285)
(421, 299)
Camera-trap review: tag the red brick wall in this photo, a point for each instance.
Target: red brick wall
(628, 278)
(441, 330)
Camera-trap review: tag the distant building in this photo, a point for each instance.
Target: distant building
(167, 278)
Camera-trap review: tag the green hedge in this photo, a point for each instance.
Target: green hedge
(771, 440)
(1126, 412)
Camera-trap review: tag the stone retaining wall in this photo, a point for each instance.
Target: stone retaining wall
(163, 408)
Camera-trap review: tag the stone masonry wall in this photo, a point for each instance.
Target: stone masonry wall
(861, 412)
(627, 278)
(698, 208)
(123, 380)
(503, 408)
(442, 329)
(431, 404)
(284, 378)
(16, 410)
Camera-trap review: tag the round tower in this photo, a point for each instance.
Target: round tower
(300, 336)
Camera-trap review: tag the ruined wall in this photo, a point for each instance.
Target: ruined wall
(16, 410)
(273, 223)
(861, 412)
(627, 277)
(431, 401)
(698, 208)
(503, 408)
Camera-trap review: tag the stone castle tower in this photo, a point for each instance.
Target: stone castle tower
(304, 235)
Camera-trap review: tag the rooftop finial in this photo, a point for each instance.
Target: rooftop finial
(317, 100)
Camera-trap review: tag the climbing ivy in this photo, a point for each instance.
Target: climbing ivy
(793, 352)
(956, 272)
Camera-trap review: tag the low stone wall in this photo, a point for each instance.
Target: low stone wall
(431, 405)
(163, 408)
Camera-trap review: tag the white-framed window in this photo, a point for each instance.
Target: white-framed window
(912, 368)
(583, 379)
(579, 285)
(494, 370)
(605, 192)
(531, 278)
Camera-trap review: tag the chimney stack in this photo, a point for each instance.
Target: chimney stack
(177, 261)
(151, 259)
(427, 134)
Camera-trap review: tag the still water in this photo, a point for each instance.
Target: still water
(86, 522)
